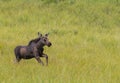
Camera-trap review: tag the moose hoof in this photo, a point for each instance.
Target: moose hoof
(42, 64)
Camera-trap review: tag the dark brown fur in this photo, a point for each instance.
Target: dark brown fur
(33, 50)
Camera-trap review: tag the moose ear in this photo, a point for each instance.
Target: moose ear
(39, 34)
(46, 34)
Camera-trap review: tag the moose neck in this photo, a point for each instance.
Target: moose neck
(40, 45)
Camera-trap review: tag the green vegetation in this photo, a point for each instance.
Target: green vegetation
(85, 36)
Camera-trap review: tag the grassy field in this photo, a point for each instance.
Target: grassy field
(85, 35)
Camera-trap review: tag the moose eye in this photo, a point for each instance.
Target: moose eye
(44, 39)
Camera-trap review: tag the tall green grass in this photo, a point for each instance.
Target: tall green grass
(84, 34)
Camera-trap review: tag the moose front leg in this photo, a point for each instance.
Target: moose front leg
(46, 56)
(38, 58)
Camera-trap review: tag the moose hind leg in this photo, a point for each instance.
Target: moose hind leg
(18, 59)
(17, 53)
